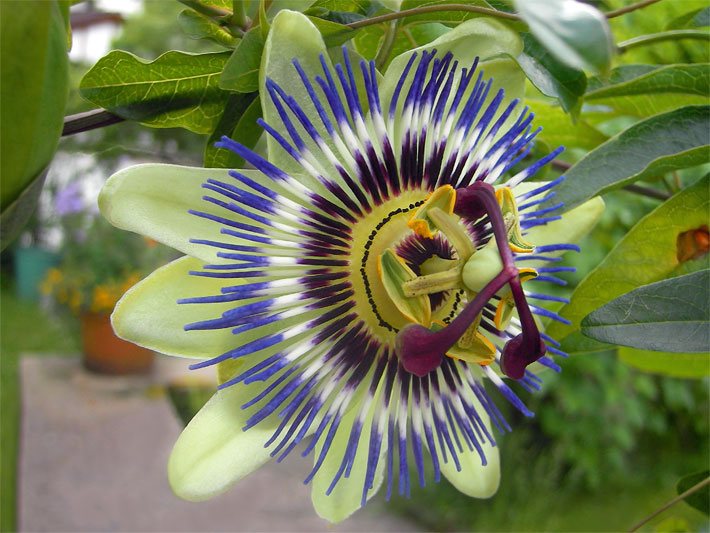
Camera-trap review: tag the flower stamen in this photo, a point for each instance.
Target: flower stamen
(422, 350)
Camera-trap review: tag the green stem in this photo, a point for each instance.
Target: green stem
(432, 9)
(387, 44)
(695, 488)
(239, 15)
(652, 38)
(629, 9)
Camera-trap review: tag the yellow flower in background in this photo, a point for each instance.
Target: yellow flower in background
(52, 279)
(104, 298)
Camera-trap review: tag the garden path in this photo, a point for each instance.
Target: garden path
(93, 456)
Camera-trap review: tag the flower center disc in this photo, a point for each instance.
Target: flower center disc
(384, 227)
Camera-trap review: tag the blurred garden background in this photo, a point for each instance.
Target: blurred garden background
(607, 447)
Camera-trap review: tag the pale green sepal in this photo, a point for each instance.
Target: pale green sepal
(482, 267)
(474, 479)
(154, 200)
(214, 452)
(149, 315)
(394, 272)
(487, 39)
(292, 36)
(346, 497)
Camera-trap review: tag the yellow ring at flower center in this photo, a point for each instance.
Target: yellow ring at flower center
(382, 228)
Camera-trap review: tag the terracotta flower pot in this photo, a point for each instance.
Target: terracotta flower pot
(107, 354)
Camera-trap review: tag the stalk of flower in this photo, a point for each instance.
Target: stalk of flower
(360, 285)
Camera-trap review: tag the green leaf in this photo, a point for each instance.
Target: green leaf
(334, 33)
(576, 343)
(644, 90)
(177, 90)
(33, 92)
(238, 122)
(551, 76)
(646, 254)
(697, 18)
(15, 216)
(241, 73)
(675, 365)
(671, 141)
(642, 79)
(199, 26)
(558, 129)
(577, 34)
(671, 315)
(700, 499)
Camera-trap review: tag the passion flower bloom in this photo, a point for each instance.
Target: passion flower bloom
(360, 288)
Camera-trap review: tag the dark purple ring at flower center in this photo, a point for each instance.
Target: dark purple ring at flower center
(422, 350)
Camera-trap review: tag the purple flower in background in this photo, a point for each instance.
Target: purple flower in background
(69, 200)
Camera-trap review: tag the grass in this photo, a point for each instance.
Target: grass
(24, 327)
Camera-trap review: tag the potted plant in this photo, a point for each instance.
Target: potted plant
(98, 265)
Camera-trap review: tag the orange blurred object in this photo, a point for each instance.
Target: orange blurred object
(105, 353)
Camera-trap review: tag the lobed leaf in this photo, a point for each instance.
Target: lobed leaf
(672, 315)
(670, 141)
(176, 90)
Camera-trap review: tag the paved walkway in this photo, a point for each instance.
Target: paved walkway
(93, 456)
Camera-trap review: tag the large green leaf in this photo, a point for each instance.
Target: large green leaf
(644, 90)
(33, 92)
(551, 76)
(241, 73)
(674, 140)
(672, 315)
(177, 90)
(646, 254)
(577, 34)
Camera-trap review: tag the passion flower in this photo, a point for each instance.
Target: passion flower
(358, 286)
